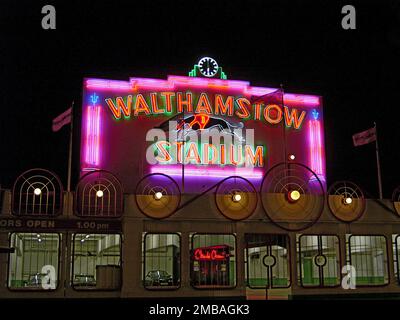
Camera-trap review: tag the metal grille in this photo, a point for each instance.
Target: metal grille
(34, 263)
(213, 261)
(267, 261)
(99, 194)
(37, 192)
(161, 261)
(396, 249)
(96, 262)
(368, 255)
(319, 261)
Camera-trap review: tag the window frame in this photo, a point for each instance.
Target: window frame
(74, 287)
(321, 283)
(396, 255)
(173, 288)
(289, 261)
(191, 261)
(58, 265)
(348, 247)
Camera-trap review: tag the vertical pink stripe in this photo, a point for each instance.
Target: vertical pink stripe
(315, 147)
(97, 145)
(88, 129)
(92, 148)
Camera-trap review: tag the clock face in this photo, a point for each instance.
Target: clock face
(208, 67)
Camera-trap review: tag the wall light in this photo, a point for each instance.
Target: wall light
(236, 197)
(347, 200)
(294, 195)
(158, 195)
(99, 193)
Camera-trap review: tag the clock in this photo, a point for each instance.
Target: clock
(208, 67)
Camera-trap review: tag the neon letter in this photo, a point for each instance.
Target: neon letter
(116, 110)
(252, 158)
(187, 102)
(238, 153)
(292, 118)
(154, 104)
(267, 114)
(164, 152)
(221, 107)
(206, 157)
(203, 105)
(195, 156)
(168, 100)
(243, 103)
(141, 105)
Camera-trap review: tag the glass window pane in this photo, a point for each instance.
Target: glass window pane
(396, 253)
(161, 261)
(96, 261)
(34, 263)
(267, 261)
(213, 261)
(369, 258)
(319, 263)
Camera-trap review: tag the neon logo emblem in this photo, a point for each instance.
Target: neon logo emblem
(201, 120)
(315, 114)
(94, 98)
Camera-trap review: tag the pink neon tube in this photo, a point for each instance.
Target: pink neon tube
(207, 172)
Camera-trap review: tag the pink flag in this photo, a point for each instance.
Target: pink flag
(63, 119)
(364, 137)
(275, 97)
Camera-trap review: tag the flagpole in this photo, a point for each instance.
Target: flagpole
(378, 163)
(70, 149)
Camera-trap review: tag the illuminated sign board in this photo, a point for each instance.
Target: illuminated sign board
(141, 126)
(213, 253)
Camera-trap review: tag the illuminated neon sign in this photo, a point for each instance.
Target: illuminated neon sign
(165, 103)
(210, 254)
(209, 154)
(117, 115)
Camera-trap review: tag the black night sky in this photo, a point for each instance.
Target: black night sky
(300, 44)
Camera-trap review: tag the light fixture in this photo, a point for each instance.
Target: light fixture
(158, 195)
(99, 193)
(38, 235)
(87, 236)
(294, 195)
(292, 157)
(347, 200)
(37, 191)
(236, 197)
(39, 240)
(82, 240)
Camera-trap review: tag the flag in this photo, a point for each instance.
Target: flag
(364, 137)
(275, 97)
(63, 119)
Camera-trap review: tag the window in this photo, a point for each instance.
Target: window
(367, 254)
(213, 261)
(34, 263)
(267, 261)
(96, 263)
(319, 261)
(161, 261)
(396, 254)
